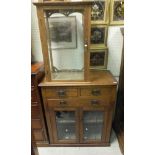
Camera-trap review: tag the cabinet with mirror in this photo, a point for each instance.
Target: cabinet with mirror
(78, 101)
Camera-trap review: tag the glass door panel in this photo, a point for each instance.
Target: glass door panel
(65, 31)
(65, 125)
(92, 125)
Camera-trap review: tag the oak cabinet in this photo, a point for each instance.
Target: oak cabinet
(80, 114)
(78, 102)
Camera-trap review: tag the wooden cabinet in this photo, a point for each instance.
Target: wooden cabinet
(78, 102)
(80, 113)
(38, 122)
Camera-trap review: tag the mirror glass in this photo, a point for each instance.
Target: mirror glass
(66, 45)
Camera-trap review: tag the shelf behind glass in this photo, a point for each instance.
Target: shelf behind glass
(68, 75)
(93, 131)
(66, 131)
(93, 125)
(65, 122)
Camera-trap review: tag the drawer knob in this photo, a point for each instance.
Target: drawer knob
(61, 93)
(94, 102)
(63, 102)
(96, 92)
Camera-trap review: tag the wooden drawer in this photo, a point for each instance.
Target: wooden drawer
(35, 112)
(36, 124)
(95, 92)
(38, 135)
(93, 102)
(62, 103)
(32, 82)
(33, 95)
(34, 103)
(61, 92)
(76, 103)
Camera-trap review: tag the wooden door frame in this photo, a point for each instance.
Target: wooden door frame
(54, 127)
(44, 37)
(103, 138)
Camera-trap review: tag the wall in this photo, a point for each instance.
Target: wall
(115, 43)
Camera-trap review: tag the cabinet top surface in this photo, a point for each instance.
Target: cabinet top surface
(96, 78)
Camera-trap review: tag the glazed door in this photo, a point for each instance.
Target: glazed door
(92, 126)
(65, 33)
(64, 123)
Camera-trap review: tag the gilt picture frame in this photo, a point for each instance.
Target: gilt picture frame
(99, 59)
(117, 12)
(98, 39)
(100, 12)
(62, 32)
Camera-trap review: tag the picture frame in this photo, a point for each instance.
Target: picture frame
(62, 32)
(99, 59)
(100, 12)
(98, 37)
(117, 12)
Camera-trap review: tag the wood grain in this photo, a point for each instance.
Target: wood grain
(38, 121)
(79, 99)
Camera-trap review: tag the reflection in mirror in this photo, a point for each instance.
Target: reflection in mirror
(66, 46)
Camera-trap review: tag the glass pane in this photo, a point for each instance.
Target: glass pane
(66, 44)
(93, 125)
(65, 123)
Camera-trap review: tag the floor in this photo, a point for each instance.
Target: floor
(112, 150)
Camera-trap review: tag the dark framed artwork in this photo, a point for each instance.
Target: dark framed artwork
(117, 12)
(98, 36)
(62, 32)
(99, 12)
(98, 59)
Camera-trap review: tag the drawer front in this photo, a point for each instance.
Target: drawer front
(64, 103)
(93, 103)
(33, 95)
(32, 82)
(35, 112)
(38, 135)
(95, 92)
(34, 103)
(61, 92)
(36, 124)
